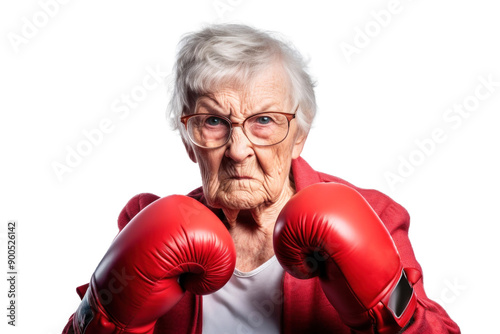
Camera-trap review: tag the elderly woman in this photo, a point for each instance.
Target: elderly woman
(285, 248)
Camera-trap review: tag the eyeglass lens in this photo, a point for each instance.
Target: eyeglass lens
(261, 129)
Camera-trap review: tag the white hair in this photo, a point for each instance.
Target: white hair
(224, 53)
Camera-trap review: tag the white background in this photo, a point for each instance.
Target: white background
(65, 78)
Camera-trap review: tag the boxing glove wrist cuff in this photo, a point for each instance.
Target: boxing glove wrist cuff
(396, 309)
(90, 317)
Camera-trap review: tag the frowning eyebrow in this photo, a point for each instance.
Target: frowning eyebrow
(209, 102)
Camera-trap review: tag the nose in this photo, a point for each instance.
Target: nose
(239, 147)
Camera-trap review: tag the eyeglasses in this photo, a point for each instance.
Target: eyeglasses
(214, 131)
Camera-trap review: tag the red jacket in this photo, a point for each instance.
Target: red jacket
(305, 308)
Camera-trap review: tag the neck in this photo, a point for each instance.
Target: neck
(252, 230)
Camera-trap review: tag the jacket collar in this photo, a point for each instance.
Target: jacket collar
(303, 174)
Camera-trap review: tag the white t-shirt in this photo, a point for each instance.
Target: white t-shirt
(250, 302)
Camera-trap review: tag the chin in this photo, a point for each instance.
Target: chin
(239, 200)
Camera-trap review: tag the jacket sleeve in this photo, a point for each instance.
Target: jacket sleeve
(132, 208)
(429, 317)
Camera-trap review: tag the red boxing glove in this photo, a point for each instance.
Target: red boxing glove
(172, 245)
(329, 230)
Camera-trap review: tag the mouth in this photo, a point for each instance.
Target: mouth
(240, 177)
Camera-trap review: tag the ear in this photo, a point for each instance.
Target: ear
(299, 145)
(190, 151)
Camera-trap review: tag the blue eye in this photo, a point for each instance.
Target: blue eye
(264, 120)
(213, 121)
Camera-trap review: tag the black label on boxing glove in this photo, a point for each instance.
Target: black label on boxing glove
(400, 296)
(84, 314)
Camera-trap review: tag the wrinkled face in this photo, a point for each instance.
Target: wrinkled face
(240, 175)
